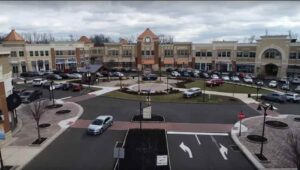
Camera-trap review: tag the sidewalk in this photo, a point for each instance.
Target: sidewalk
(277, 149)
(19, 151)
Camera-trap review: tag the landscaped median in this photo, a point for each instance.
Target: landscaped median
(227, 88)
(173, 98)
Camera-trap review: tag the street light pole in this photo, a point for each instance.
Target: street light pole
(167, 83)
(265, 107)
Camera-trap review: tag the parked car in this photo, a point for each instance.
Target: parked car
(54, 77)
(28, 96)
(55, 85)
(204, 75)
(185, 74)
(214, 76)
(38, 82)
(192, 92)
(276, 97)
(292, 97)
(149, 77)
(118, 74)
(297, 89)
(295, 81)
(273, 84)
(66, 86)
(99, 75)
(18, 90)
(225, 77)
(214, 82)
(259, 83)
(100, 124)
(283, 80)
(235, 79)
(77, 75)
(64, 75)
(248, 80)
(29, 74)
(285, 87)
(175, 74)
(76, 87)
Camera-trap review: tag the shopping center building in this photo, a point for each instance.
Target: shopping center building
(270, 55)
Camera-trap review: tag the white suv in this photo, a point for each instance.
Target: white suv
(38, 82)
(293, 97)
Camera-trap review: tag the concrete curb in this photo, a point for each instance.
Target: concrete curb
(246, 152)
(51, 139)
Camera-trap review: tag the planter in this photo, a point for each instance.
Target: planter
(256, 139)
(63, 112)
(44, 125)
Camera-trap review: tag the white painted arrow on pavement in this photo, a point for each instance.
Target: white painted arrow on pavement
(186, 149)
(224, 151)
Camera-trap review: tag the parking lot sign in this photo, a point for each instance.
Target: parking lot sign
(161, 160)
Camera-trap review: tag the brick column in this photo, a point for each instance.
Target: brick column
(52, 54)
(3, 107)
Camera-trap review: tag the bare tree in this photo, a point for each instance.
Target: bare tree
(165, 39)
(293, 139)
(37, 109)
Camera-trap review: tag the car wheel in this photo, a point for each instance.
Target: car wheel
(101, 131)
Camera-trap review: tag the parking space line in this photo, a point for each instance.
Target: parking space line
(198, 140)
(196, 133)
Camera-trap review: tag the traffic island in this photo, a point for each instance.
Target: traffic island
(154, 118)
(279, 151)
(145, 149)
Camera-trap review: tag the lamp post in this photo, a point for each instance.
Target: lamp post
(88, 75)
(167, 83)
(51, 88)
(258, 87)
(266, 107)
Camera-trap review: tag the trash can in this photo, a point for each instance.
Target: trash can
(249, 95)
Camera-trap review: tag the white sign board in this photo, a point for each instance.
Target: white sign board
(161, 160)
(119, 153)
(147, 112)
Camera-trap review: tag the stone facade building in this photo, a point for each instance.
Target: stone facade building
(273, 56)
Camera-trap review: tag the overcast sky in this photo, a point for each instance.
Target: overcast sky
(185, 21)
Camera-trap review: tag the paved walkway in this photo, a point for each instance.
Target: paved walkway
(169, 126)
(18, 150)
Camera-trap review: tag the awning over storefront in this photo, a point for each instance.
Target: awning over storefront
(60, 61)
(148, 61)
(92, 68)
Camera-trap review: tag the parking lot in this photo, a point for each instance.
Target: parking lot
(205, 151)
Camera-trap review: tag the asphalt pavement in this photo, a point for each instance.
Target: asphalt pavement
(75, 150)
(124, 110)
(205, 153)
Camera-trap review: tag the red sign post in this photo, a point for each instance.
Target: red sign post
(241, 116)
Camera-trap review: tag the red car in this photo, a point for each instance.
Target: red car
(77, 87)
(214, 82)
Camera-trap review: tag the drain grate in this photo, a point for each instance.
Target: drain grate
(235, 148)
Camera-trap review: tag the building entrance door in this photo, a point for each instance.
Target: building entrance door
(271, 70)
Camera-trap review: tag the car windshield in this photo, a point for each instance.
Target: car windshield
(97, 122)
(191, 90)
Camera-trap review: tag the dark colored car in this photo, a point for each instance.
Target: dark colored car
(54, 77)
(149, 77)
(76, 87)
(28, 96)
(64, 75)
(276, 97)
(169, 70)
(67, 86)
(204, 75)
(185, 74)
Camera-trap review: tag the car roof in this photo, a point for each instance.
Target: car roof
(195, 88)
(37, 79)
(102, 117)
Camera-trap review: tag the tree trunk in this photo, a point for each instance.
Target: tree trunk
(38, 130)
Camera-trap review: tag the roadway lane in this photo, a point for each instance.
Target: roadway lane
(74, 150)
(205, 153)
(288, 108)
(124, 110)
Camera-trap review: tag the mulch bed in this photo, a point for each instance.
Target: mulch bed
(154, 117)
(38, 142)
(7, 167)
(297, 119)
(63, 112)
(257, 138)
(141, 149)
(55, 106)
(276, 124)
(44, 125)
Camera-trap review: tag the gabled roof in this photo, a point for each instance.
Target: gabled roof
(147, 33)
(13, 36)
(84, 39)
